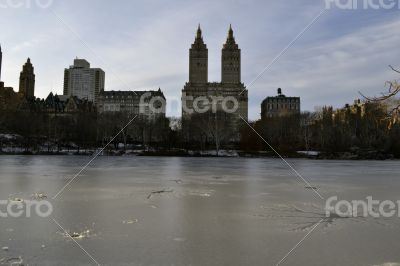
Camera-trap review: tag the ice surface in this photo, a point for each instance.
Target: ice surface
(202, 211)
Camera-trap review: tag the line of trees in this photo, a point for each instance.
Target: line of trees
(355, 129)
(81, 131)
(364, 130)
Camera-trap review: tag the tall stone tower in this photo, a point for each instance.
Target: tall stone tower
(27, 81)
(231, 60)
(198, 62)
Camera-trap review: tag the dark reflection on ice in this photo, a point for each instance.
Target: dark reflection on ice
(306, 217)
(158, 192)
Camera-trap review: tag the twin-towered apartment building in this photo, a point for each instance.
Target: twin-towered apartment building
(198, 86)
(230, 88)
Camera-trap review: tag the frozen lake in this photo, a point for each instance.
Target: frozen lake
(143, 211)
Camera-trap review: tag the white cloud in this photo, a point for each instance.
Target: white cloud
(334, 70)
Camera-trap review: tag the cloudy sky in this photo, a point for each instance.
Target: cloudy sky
(144, 45)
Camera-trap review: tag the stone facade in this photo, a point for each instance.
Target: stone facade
(279, 106)
(230, 85)
(149, 104)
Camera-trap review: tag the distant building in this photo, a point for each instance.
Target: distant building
(83, 82)
(9, 99)
(1, 61)
(57, 105)
(279, 106)
(359, 107)
(231, 86)
(27, 81)
(150, 104)
(65, 105)
(358, 110)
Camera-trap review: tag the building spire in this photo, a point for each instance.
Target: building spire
(199, 42)
(230, 33)
(230, 40)
(199, 33)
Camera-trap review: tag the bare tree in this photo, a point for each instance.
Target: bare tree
(216, 128)
(307, 120)
(393, 91)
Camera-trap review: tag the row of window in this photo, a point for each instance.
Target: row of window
(283, 106)
(120, 97)
(230, 58)
(231, 68)
(284, 100)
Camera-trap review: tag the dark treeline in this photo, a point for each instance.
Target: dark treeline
(351, 132)
(38, 131)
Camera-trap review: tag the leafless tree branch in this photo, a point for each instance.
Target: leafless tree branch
(395, 70)
(393, 91)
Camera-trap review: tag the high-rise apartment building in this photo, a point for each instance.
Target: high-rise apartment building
(83, 82)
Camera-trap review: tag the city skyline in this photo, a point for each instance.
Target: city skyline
(148, 50)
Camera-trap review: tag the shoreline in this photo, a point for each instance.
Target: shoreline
(342, 156)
